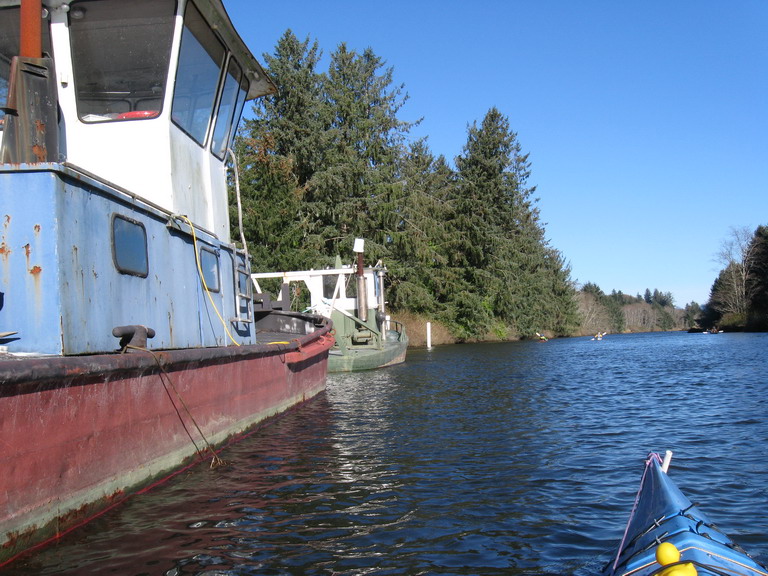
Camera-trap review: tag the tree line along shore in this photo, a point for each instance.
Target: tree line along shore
(328, 159)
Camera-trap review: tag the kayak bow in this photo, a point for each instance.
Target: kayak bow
(667, 535)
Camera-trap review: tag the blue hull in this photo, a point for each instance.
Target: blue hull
(663, 514)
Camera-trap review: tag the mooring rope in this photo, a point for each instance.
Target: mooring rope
(216, 461)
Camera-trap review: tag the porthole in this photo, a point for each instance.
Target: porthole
(129, 246)
(209, 263)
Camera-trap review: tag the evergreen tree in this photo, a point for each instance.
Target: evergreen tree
(321, 158)
(614, 308)
(325, 160)
(497, 237)
(648, 296)
(353, 192)
(664, 320)
(662, 299)
(562, 307)
(757, 288)
(719, 306)
(692, 314)
(418, 233)
(592, 288)
(277, 152)
(292, 117)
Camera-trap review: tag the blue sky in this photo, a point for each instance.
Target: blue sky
(646, 121)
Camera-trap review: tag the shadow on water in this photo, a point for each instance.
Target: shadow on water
(514, 458)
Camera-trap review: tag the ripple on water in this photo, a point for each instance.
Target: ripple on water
(515, 458)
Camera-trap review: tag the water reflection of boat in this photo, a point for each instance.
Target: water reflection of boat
(354, 299)
(667, 535)
(116, 132)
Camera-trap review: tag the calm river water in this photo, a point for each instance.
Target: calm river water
(513, 458)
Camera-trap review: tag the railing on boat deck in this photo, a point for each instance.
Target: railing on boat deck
(394, 326)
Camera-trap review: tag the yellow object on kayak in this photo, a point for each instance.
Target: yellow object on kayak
(666, 554)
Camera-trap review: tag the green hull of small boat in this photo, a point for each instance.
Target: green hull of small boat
(368, 358)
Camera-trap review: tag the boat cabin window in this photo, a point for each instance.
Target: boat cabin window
(209, 264)
(351, 286)
(201, 60)
(10, 23)
(129, 246)
(230, 108)
(329, 287)
(120, 55)
(243, 282)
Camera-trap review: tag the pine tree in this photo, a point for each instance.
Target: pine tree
(515, 276)
(648, 296)
(418, 233)
(278, 151)
(352, 192)
(326, 160)
(757, 318)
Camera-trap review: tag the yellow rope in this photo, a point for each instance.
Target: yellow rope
(205, 286)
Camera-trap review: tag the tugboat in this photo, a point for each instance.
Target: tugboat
(354, 299)
(129, 342)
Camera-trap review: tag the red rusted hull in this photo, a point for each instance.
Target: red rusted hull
(79, 433)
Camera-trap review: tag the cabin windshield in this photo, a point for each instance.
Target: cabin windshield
(230, 108)
(120, 54)
(9, 47)
(202, 57)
